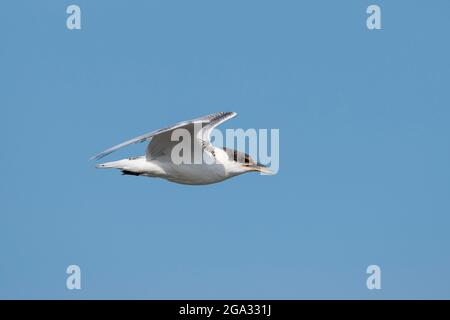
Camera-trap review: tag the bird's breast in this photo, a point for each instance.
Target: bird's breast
(196, 173)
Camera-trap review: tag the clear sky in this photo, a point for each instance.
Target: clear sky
(364, 149)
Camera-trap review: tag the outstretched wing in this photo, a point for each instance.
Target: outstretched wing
(215, 120)
(162, 144)
(161, 139)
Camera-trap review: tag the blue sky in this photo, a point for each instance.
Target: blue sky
(364, 149)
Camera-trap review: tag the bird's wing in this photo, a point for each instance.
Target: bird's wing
(205, 134)
(210, 122)
(215, 120)
(162, 144)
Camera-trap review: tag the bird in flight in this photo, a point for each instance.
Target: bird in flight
(217, 164)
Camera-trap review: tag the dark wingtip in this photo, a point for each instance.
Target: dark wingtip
(130, 173)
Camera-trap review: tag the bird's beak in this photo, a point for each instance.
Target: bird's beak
(258, 168)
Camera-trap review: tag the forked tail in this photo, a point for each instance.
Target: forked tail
(130, 166)
(120, 164)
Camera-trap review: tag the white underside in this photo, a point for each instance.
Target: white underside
(194, 174)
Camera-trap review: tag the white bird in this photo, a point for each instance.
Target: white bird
(221, 164)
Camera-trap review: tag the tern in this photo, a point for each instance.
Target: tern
(217, 164)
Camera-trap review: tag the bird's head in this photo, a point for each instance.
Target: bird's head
(243, 163)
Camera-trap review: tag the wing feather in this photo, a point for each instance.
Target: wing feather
(210, 122)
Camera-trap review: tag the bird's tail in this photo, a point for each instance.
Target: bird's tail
(120, 164)
(130, 166)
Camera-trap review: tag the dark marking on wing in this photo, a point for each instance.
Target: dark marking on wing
(207, 147)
